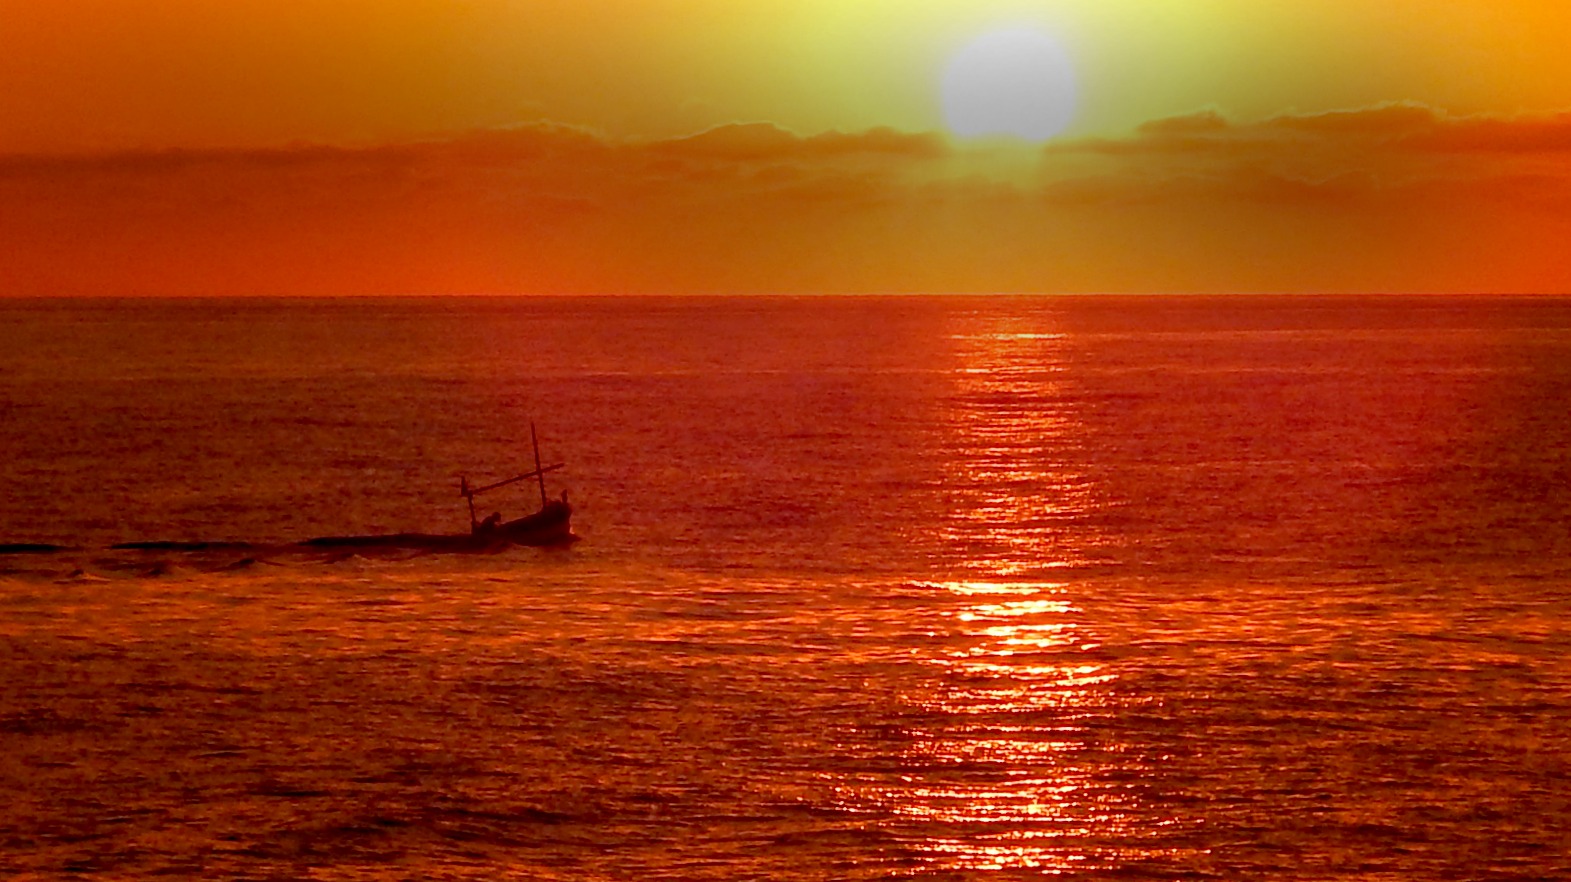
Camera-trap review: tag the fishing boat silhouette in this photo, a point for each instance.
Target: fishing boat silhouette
(550, 525)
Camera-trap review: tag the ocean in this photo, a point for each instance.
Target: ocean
(951, 588)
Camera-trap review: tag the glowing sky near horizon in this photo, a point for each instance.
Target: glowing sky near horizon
(778, 145)
(155, 73)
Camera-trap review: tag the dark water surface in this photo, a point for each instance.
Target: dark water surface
(951, 588)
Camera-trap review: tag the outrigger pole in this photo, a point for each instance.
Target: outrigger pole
(469, 493)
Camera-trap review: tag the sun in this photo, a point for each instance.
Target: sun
(1015, 82)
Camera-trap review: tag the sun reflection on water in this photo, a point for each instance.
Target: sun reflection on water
(1019, 500)
(998, 777)
(1006, 767)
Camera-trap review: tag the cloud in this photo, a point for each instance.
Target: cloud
(1390, 128)
(1383, 121)
(1204, 123)
(1522, 135)
(755, 142)
(1394, 197)
(1377, 159)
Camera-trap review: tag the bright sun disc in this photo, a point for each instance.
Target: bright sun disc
(1015, 82)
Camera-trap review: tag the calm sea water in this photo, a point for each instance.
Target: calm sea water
(950, 588)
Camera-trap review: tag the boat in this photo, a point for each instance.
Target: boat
(551, 525)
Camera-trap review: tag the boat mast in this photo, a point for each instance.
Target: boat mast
(539, 472)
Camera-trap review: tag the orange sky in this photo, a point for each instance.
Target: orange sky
(500, 146)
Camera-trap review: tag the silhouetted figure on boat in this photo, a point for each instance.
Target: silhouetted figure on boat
(488, 525)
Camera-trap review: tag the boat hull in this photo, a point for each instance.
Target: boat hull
(551, 525)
